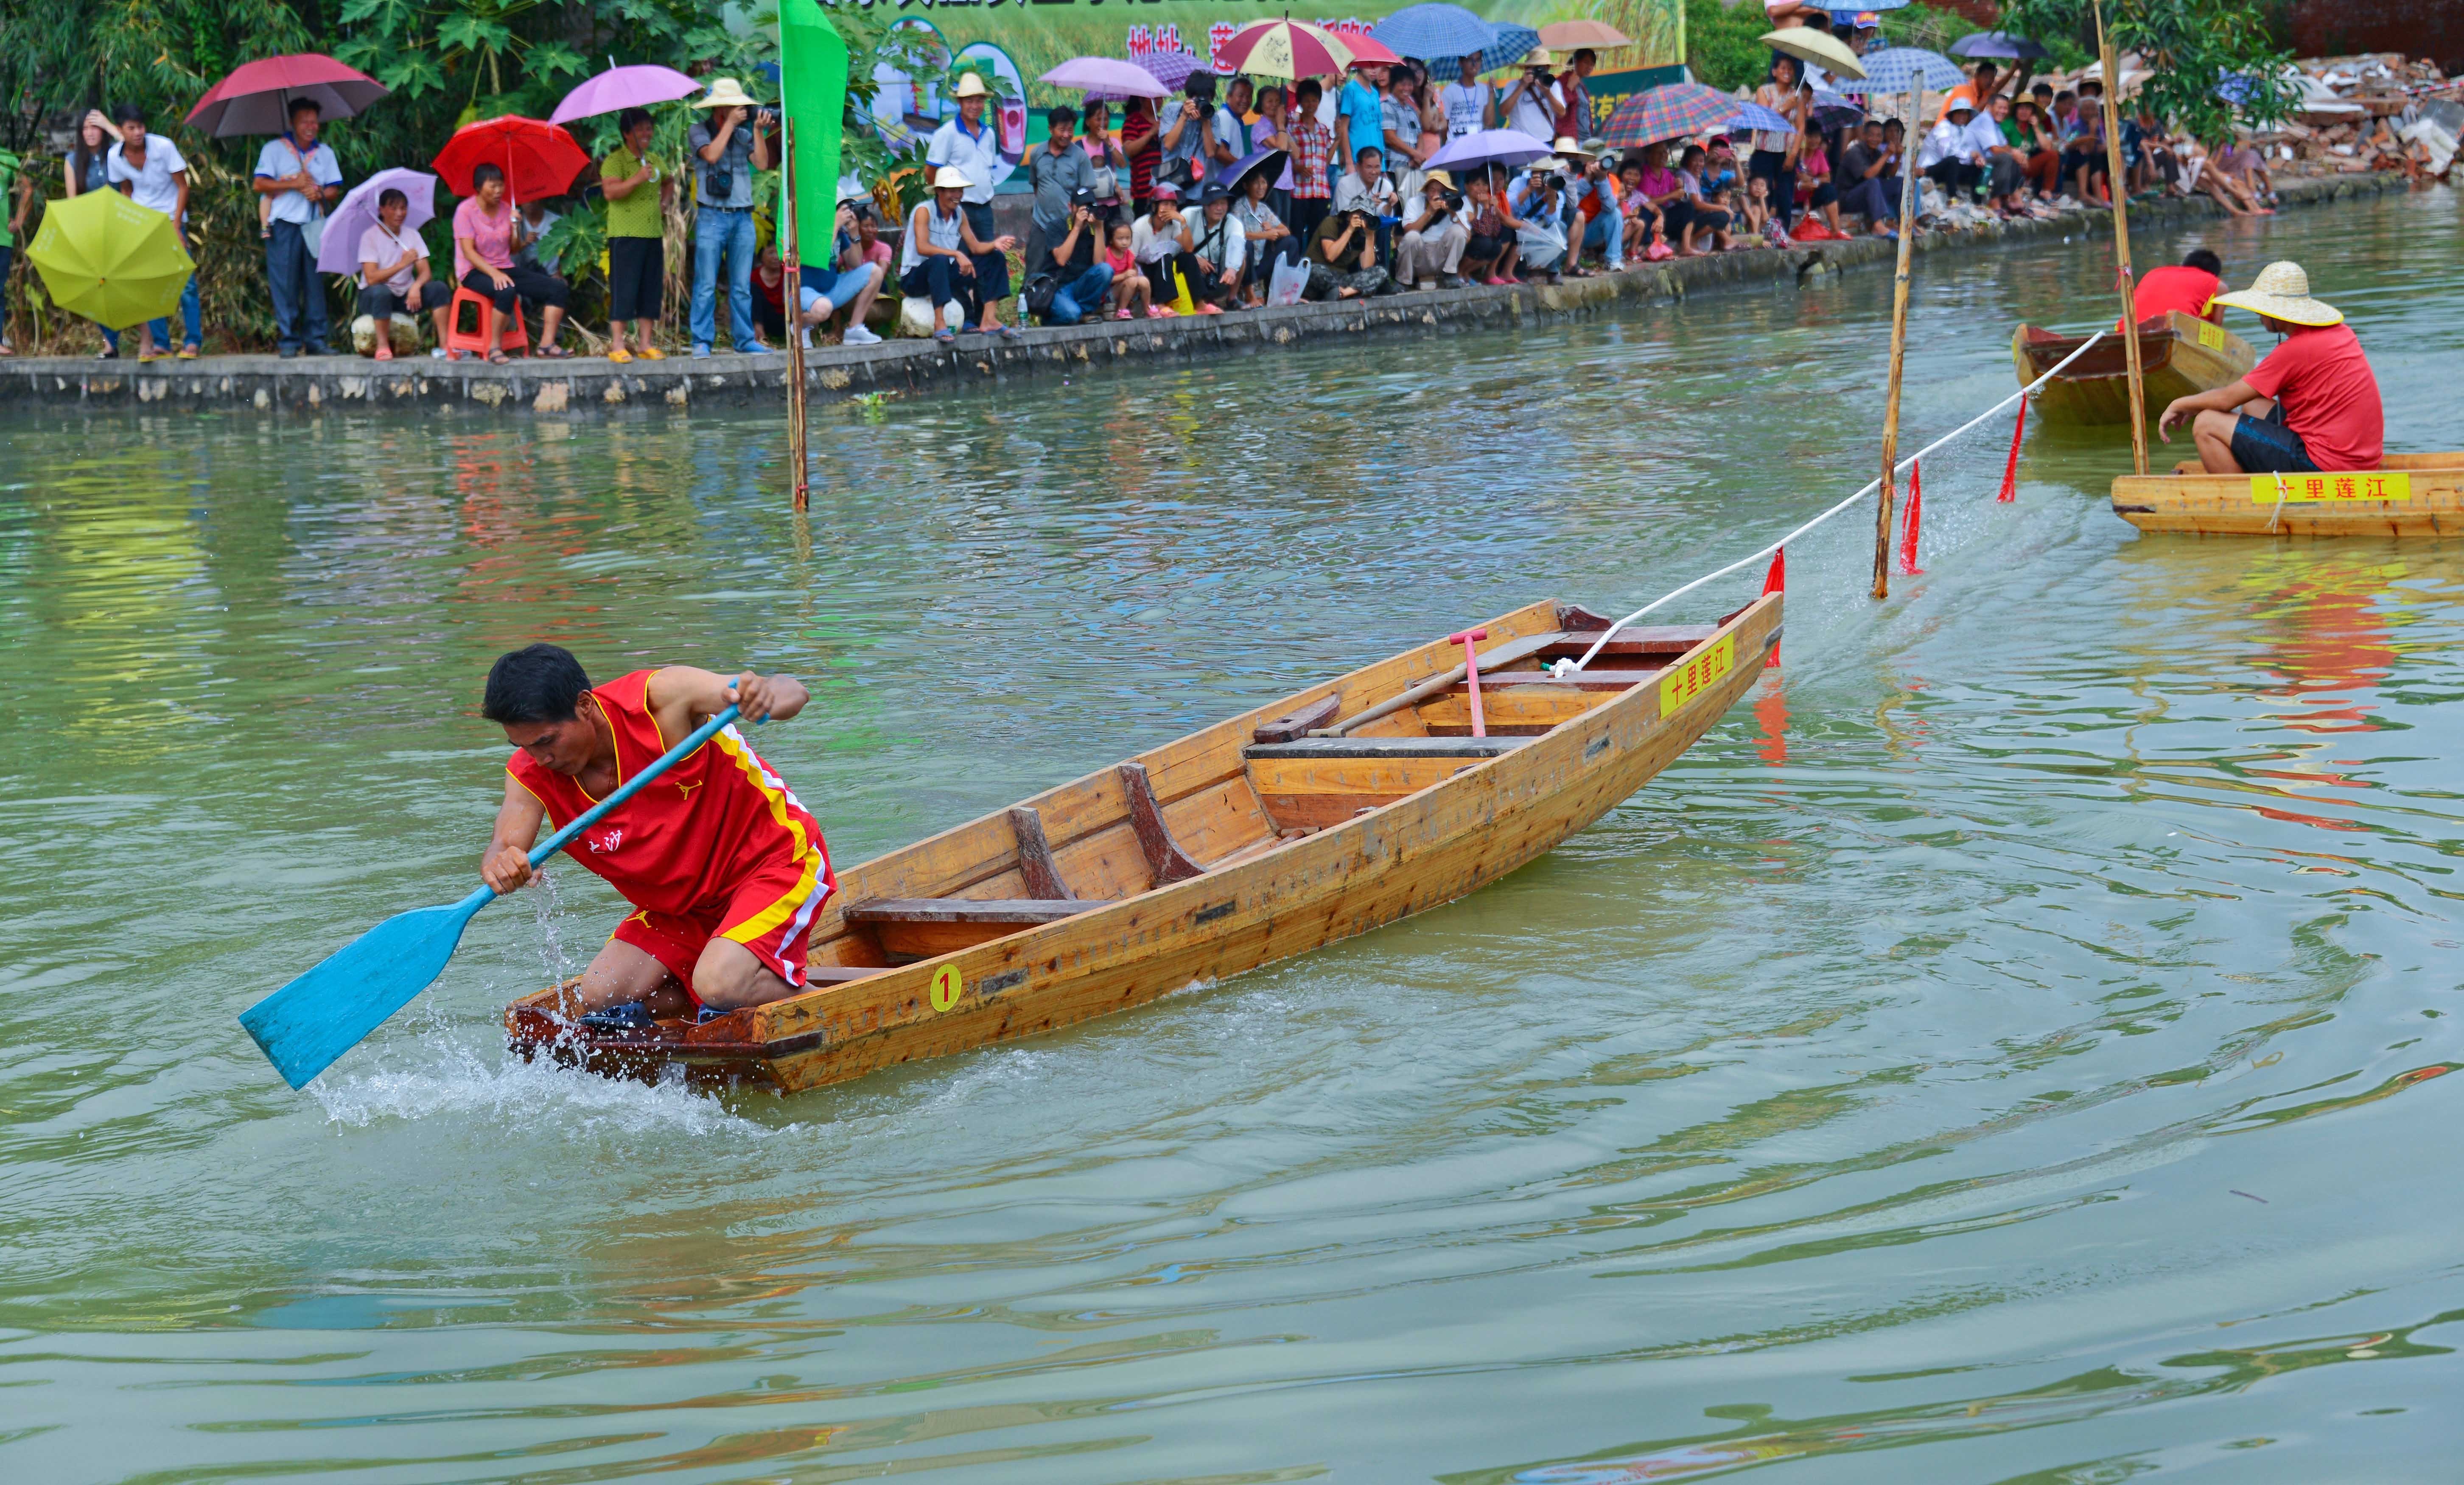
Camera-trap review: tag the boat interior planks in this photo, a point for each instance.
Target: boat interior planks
(1264, 835)
(2179, 354)
(2408, 495)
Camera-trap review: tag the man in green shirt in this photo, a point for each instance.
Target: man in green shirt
(11, 184)
(638, 190)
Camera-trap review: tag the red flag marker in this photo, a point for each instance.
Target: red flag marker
(1908, 529)
(1775, 582)
(2011, 471)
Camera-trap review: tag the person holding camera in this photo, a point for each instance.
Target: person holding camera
(1365, 188)
(1062, 175)
(1433, 241)
(1080, 278)
(1531, 102)
(971, 145)
(1343, 258)
(1184, 136)
(1541, 204)
(1599, 223)
(727, 147)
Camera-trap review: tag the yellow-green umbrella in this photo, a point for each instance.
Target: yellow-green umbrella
(105, 256)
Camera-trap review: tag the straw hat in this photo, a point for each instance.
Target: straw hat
(2282, 292)
(724, 93)
(1537, 56)
(950, 178)
(1439, 178)
(1567, 148)
(971, 85)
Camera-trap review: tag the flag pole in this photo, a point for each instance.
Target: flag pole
(2118, 183)
(1899, 346)
(792, 293)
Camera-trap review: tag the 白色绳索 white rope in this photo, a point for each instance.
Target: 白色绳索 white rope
(1569, 667)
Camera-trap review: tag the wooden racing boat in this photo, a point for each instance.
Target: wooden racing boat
(2408, 494)
(1355, 803)
(2178, 354)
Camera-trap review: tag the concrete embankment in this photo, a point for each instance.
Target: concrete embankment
(593, 386)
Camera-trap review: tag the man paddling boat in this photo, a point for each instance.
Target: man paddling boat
(2312, 407)
(724, 865)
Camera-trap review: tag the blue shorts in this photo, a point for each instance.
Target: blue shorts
(2265, 446)
(839, 289)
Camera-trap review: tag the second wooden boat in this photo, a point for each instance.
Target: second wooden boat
(1355, 803)
(2178, 354)
(2408, 495)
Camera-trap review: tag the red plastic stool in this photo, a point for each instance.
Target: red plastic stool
(512, 334)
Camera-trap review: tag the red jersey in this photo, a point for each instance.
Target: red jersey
(2329, 395)
(684, 844)
(2180, 287)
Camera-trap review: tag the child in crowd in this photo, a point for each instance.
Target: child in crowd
(1132, 292)
(1761, 225)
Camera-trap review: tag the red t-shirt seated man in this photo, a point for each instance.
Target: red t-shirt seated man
(2311, 407)
(2191, 287)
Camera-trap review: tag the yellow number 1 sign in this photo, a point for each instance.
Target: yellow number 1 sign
(947, 986)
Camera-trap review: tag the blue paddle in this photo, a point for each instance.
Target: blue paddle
(305, 1025)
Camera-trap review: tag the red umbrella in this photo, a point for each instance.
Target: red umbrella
(538, 159)
(1285, 49)
(257, 98)
(1366, 48)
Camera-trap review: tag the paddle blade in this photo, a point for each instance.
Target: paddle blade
(305, 1025)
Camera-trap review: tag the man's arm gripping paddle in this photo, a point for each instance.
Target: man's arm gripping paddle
(307, 1024)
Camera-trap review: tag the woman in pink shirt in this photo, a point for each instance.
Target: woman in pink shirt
(487, 233)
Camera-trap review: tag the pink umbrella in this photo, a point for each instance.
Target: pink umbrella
(637, 86)
(257, 98)
(1108, 76)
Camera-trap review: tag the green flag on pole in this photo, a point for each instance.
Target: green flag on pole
(812, 93)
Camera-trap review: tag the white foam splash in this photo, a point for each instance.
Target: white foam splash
(535, 1095)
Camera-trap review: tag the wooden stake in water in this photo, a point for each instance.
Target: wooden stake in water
(1899, 354)
(792, 297)
(2118, 183)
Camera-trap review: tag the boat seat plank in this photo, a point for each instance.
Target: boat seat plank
(1014, 911)
(1307, 748)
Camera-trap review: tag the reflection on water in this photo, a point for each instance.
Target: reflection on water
(2010, 1047)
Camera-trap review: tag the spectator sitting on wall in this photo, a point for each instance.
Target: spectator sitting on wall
(1539, 200)
(394, 277)
(302, 177)
(1132, 294)
(846, 280)
(1081, 277)
(1158, 240)
(1058, 172)
(939, 258)
(537, 219)
(971, 145)
(1434, 241)
(1263, 234)
(1490, 253)
(486, 232)
(1217, 251)
(1343, 258)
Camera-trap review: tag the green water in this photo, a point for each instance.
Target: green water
(2000, 1051)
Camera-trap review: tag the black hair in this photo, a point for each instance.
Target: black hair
(481, 174)
(1691, 152)
(1201, 86)
(1063, 117)
(631, 119)
(1581, 56)
(536, 683)
(128, 113)
(390, 195)
(1309, 86)
(1263, 93)
(305, 105)
(1369, 150)
(2206, 261)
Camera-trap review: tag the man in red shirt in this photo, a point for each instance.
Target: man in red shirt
(722, 863)
(2312, 406)
(2190, 288)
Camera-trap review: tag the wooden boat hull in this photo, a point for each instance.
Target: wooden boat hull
(1402, 834)
(2179, 354)
(2421, 495)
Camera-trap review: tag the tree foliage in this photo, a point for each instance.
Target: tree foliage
(2200, 52)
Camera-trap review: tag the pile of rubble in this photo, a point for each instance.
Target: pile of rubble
(2377, 111)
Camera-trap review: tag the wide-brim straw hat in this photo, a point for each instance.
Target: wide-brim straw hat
(950, 178)
(1537, 56)
(2281, 291)
(971, 85)
(1565, 148)
(724, 93)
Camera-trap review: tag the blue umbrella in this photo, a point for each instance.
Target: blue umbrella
(1754, 116)
(1434, 30)
(1997, 44)
(1848, 16)
(1902, 70)
(1511, 44)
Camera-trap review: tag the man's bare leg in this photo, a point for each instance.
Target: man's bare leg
(622, 974)
(729, 977)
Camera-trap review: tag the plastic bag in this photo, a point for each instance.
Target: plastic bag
(1288, 281)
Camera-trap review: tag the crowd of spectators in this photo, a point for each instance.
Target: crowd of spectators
(1230, 195)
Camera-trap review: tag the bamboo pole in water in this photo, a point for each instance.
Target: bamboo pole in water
(2118, 184)
(1899, 346)
(791, 296)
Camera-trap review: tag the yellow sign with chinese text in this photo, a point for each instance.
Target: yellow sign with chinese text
(2358, 485)
(1685, 682)
(2211, 336)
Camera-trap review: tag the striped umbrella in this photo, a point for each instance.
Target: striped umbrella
(1512, 44)
(1285, 49)
(1673, 110)
(1904, 69)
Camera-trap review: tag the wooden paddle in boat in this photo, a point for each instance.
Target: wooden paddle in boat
(2179, 354)
(1256, 839)
(2408, 495)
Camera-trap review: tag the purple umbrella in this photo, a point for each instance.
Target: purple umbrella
(339, 251)
(625, 87)
(1106, 75)
(1488, 148)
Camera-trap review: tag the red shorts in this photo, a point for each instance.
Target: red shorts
(769, 913)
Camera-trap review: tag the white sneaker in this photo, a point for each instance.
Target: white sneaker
(858, 335)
